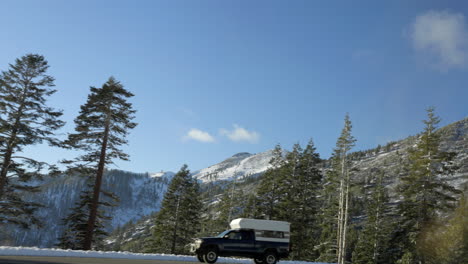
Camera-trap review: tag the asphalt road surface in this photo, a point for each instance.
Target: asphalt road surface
(73, 260)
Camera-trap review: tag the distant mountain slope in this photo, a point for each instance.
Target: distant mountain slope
(454, 138)
(140, 195)
(240, 165)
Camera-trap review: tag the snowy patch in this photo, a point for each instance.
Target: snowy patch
(236, 167)
(156, 175)
(162, 174)
(50, 252)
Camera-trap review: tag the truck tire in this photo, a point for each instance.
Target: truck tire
(200, 258)
(210, 255)
(258, 260)
(270, 257)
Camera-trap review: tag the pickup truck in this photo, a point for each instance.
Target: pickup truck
(264, 246)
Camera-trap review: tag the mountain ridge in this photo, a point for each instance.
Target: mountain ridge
(454, 138)
(141, 193)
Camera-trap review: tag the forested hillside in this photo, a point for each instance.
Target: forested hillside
(374, 173)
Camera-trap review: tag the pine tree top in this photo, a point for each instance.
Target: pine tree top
(24, 89)
(106, 109)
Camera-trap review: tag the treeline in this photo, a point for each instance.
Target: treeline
(360, 154)
(26, 119)
(334, 216)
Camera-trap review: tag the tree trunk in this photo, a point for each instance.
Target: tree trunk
(340, 221)
(345, 224)
(341, 210)
(97, 189)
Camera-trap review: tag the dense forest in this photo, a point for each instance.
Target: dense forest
(335, 216)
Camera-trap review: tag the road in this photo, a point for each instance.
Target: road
(72, 260)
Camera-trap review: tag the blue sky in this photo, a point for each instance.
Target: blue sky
(214, 78)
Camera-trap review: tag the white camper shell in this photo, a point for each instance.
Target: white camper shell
(265, 230)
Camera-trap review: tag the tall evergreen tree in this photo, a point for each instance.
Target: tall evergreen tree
(424, 189)
(327, 246)
(25, 120)
(344, 145)
(290, 172)
(373, 243)
(269, 191)
(101, 127)
(338, 185)
(179, 218)
(299, 206)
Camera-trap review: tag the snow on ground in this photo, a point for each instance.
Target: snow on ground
(51, 252)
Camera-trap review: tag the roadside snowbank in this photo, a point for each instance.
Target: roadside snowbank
(52, 252)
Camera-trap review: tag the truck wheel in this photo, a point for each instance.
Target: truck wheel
(270, 258)
(200, 257)
(258, 260)
(210, 256)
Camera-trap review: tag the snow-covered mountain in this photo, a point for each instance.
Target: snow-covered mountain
(236, 167)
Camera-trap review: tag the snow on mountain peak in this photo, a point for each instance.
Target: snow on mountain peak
(238, 166)
(162, 174)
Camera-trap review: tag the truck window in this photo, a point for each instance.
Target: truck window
(270, 234)
(234, 235)
(223, 233)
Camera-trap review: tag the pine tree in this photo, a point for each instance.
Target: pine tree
(101, 127)
(373, 243)
(25, 120)
(251, 207)
(327, 247)
(344, 145)
(425, 190)
(269, 191)
(300, 204)
(179, 218)
(337, 185)
(289, 181)
(76, 222)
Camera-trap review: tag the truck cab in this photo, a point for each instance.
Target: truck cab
(265, 241)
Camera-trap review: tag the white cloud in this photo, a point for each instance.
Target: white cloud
(443, 36)
(199, 135)
(239, 134)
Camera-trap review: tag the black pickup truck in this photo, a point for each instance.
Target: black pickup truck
(239, 243)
